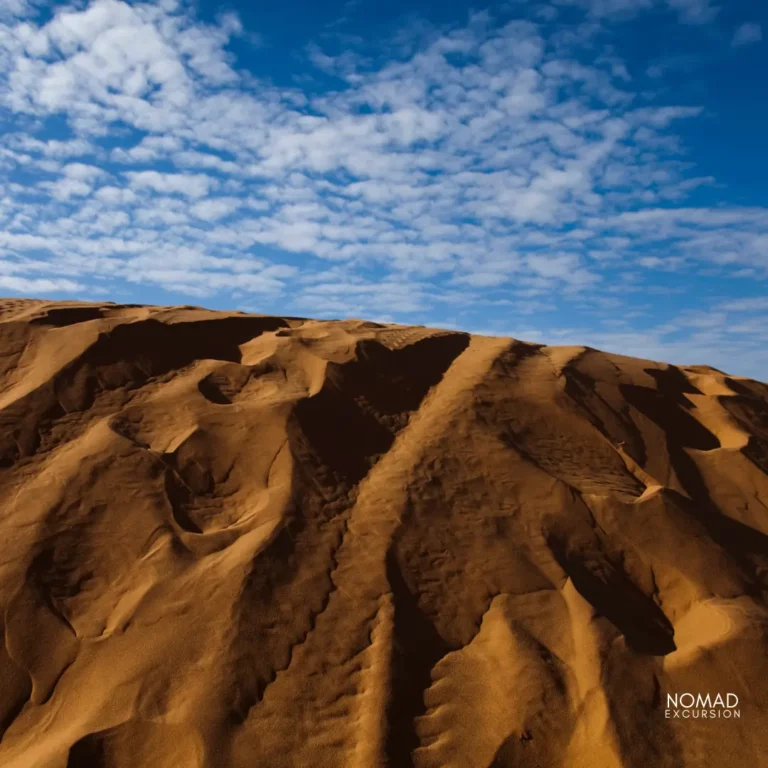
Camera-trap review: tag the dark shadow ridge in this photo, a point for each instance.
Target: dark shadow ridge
(669, 411)
(155, 348)
(418, 647)
(757, 452)
(211, 391)
(750, 412)
(672, 383)
(274, 600)
(644, 626)
(68, 316)
(336, 436)
(89, 752)
(17, 686)
(741, 541)
(180, 497)
(133, 742)
(364, 403)
(254, 667)
(748, 388)
(57, 573)
(224, 385)
(396, 381)
(132, 353)
(345, 438)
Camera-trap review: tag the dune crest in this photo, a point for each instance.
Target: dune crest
(238, 540)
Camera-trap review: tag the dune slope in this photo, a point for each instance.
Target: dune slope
(237, 540)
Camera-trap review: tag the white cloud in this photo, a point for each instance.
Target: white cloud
(39, 286)
(16, 9)
(471, 167)
(215, 208)
(148, 149)
(193, 159)
(757, 304)
(187, 184)
(694, 11)
(64, 189)
(688, 339)
(54, 147)
(82, 171)
(689, 11)
(603, 8)
(115, 195)
(747, 34)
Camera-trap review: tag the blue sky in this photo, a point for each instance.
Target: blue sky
(572, 172)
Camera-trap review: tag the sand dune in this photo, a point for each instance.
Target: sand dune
(237, 540)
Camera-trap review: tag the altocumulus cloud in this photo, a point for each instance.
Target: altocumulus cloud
(747, 34)
(484, 165)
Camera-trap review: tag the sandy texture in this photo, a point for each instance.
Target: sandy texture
(255, 542)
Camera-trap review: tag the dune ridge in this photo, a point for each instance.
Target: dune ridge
(240, 540)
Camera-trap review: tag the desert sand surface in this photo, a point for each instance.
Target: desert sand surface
(258, 542)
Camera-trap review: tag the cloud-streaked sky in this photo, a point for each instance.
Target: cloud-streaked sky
(577, 171)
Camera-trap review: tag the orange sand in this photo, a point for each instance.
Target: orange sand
(260, 542)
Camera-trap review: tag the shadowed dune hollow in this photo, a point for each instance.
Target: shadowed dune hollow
(260, 542)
